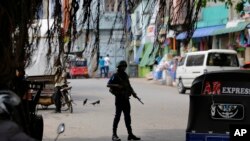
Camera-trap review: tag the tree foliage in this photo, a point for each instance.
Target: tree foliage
(15, 49)
(17, 16)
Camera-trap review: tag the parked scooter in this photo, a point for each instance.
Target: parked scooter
(66, 98)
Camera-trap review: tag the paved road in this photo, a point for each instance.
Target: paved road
(162, 118)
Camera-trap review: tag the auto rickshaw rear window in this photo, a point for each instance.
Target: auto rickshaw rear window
(79, 63)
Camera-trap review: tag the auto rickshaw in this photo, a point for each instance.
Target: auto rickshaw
(218, 102)
(46, 96)
(78, 68)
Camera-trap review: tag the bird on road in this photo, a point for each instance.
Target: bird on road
(85, 101)
(96, 102)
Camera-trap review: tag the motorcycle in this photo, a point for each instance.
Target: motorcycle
(66, 98)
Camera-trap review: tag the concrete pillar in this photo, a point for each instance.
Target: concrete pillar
(116, 6)
(135, 52)
(45, 8)
(214, 43)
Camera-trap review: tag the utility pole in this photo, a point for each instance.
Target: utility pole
(97, 41)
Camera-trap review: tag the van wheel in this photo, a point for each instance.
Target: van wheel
(181, 88)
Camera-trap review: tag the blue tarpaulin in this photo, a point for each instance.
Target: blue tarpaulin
(201, 32)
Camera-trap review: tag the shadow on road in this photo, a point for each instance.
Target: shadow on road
(164, 135)
(149, 135)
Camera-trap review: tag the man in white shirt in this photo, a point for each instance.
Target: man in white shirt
(60, 79)
(106, 65)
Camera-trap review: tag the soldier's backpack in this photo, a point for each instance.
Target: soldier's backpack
(113, 90)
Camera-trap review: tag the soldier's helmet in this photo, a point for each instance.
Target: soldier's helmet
(122, 63)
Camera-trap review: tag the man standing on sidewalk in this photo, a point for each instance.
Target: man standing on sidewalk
(101, 66)
(106, 65)
(120, 86)
(60, 79)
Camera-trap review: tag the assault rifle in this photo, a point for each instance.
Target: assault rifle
(139, 99)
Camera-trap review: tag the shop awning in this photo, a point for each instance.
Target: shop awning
(148, 55)
(201, 32)
(240, 26)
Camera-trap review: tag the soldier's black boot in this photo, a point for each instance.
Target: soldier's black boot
(133, 137)
(115, 138)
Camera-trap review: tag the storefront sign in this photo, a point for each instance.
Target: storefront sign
(246, 9)
(151, 33)
(151, 30)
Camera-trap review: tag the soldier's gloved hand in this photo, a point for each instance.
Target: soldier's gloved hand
(120, 86)
(134, 95)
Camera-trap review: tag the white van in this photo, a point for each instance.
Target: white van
(194, 64)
